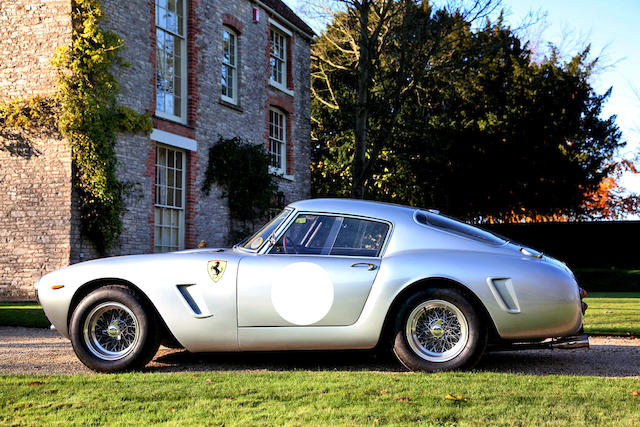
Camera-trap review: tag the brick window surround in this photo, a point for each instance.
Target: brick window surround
(192, 32)
(284, 103)
(171, 59)
(187, 129)
(169, 199)
(287, 52)
(229, 69)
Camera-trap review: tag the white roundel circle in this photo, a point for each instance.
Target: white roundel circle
(302, 293)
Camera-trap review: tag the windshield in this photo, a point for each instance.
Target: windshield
(255, 241)
(452, 226)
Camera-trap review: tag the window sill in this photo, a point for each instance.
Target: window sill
(172, 119)
(278, 173)
(280, 88)
(230, 105)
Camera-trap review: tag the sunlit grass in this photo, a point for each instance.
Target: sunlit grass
(613, 313)
(317, 398)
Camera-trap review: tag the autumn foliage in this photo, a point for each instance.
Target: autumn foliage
(611, 200)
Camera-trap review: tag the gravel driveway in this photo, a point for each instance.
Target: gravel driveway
(40, 351)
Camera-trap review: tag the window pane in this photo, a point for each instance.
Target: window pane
(223, 80)
(359, 238)
(171, 178)
(169, 56)
(309, 235)
(166, 237)
(156, 236)
(179, 160)
(169, 206)
(265, 232)
(453, 226)
(232, 50)
(159, 101)
(177, 106)
(276, 139)
(230, 85)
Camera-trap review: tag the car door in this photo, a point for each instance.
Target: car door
(318, 272)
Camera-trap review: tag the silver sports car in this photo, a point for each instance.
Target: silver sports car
(323, 274)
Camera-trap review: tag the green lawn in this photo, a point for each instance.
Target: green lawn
(317, 398)
(22, 314)
(613, 313)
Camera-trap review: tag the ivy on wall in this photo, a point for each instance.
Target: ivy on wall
(241, 169)
(84, 111)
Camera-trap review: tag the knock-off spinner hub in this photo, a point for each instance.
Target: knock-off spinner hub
(114, 329)
(436, 329)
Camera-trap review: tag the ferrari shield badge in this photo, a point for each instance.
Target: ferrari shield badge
(216, 269)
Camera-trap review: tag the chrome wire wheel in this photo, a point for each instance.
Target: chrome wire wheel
(437, 330)
(111, 331)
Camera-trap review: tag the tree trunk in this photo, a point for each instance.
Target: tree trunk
(362, 108)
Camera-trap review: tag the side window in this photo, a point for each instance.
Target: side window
(359, 237)
(332, 235)
(308, 235)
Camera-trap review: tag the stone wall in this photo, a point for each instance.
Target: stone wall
(35, 176)
(35, 183)
(30, 33)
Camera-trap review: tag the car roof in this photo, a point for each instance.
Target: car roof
(388, 211)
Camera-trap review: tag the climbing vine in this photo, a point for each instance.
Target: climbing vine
(84, 111)
(241, 169)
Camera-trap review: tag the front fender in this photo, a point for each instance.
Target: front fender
(159, 278)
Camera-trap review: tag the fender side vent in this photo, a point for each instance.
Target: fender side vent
(189, 299)
(504, 293)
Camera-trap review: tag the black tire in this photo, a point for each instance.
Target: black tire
(438, 329)
(111, 330)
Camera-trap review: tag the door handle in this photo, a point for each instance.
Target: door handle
(369, 266)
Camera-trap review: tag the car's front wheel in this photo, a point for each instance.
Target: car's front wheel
(438, 329)
(111, 330)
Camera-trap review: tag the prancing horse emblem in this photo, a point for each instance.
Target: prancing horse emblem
(216, 269)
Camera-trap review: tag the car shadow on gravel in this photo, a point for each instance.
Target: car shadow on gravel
(365, 360)
(600, 360)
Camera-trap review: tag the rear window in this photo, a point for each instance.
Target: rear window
(456, 227)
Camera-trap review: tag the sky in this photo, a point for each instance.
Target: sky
(612, 28)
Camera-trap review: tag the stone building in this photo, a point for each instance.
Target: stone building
(202, 69)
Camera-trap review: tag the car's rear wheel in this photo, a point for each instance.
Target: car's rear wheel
(111, 330)
(438, 329)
